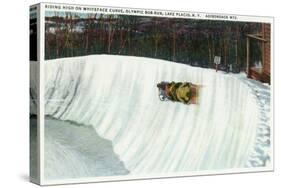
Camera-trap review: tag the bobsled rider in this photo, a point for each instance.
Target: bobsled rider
(184, 92)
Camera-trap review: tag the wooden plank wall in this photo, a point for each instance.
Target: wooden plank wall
(266, 52)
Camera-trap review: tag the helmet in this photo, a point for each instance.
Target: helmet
(162, 85)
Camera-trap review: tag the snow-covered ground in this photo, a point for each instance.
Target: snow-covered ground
(81, 151)
(118, 97)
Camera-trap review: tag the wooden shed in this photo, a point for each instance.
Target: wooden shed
(261, 73)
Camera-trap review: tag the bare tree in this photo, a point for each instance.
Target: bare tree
(111, 23)
(156, 34)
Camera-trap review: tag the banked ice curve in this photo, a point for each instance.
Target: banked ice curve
(117, 95)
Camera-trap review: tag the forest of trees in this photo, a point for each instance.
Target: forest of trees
(187, 41)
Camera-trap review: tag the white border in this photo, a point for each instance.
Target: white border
(37, 178)
(272, 99)
(240, 18)
(155, 176)
(201, 15)
(41, 59)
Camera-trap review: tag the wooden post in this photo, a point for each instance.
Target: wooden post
(248, 57)
(217, 61)
(263, 46)
(236, 51)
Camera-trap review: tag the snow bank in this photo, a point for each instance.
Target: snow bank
(117, 95)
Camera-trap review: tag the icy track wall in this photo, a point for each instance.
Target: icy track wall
(117, 95)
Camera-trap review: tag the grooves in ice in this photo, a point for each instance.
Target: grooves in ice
(117, 95)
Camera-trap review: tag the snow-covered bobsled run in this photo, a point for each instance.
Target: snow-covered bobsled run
(117, 95)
